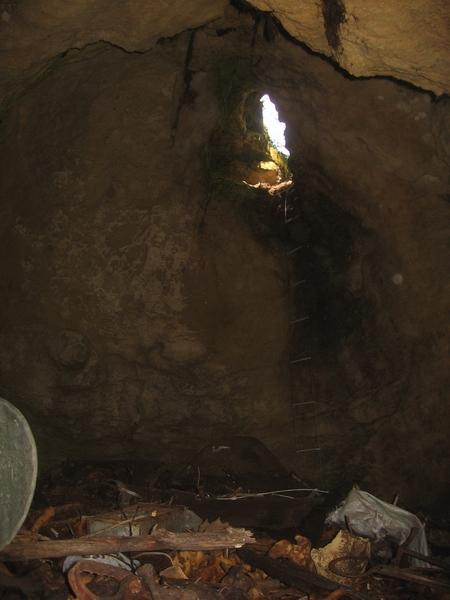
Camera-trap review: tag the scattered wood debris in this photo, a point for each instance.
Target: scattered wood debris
(143, 551)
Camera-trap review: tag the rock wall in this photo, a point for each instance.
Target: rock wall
(371, 170)
(142, 317)
(145, 316)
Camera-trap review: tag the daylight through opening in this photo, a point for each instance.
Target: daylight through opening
(275, 128)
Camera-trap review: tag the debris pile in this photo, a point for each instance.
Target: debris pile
(200, 536)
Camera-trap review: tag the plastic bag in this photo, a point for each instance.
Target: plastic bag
(115, 560)
(379, 521)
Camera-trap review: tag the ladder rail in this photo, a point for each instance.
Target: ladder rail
(296, 361)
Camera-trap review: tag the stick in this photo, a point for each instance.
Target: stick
(410, 575)
(341, 591)
(48, 513)
(159, 540)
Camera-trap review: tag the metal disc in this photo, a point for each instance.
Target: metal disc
(18, 470)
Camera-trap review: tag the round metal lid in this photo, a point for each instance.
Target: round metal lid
(18, 470)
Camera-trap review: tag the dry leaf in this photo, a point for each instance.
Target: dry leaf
(299, 553)
(216, 525)
(204, 567)
(174, 572)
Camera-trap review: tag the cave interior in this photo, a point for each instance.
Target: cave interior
(170, 281)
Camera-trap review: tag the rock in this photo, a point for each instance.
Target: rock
(69, 349)
(107, 249)
(389, 39)
(239, 455)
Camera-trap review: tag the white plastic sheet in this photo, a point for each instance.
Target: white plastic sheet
(379, 521)
(115, 560)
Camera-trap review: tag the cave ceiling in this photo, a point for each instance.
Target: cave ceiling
(402, 39)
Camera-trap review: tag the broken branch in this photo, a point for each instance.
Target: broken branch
(160, 540)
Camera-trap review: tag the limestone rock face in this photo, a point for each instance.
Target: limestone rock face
(401, 39)
(35, 35)
(149, 310)
(370, 165)
(145, 310)
(43, 29)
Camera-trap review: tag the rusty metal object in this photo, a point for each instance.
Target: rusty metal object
(342, 573)
(129, 584)
(410, 575)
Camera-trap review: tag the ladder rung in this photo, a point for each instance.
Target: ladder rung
(297, 283)
(290, 190)
(297, 360)
(303, 403)
(298, 320)
(294, 250)
(308, 450)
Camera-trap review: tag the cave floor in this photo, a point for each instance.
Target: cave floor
(285, 518)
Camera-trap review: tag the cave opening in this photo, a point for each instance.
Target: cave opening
(247, 145)
(275, 128)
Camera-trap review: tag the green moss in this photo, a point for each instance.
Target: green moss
(239, 142)
(224, 186)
